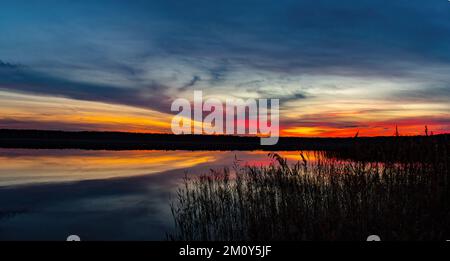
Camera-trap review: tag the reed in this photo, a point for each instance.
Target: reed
(333, 197)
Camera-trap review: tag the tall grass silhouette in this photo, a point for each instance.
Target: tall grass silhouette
(340, 195)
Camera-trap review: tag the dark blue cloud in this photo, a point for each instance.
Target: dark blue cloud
(268, 34)
(21, 79)
(382, 38)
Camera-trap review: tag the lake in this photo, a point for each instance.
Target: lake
(100, 195)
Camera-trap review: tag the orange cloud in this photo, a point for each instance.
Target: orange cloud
(406, 126)
(28, 111)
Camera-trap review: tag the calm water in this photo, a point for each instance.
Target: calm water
(99, 195)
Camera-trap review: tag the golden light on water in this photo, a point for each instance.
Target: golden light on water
(25, 166)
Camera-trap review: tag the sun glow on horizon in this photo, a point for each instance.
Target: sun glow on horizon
(30, 111)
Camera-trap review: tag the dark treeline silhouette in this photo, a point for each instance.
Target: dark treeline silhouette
(395, 149)
(43, 139)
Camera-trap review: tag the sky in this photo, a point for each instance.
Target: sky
(338, 67)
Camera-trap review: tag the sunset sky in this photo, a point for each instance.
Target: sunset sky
(336, 66)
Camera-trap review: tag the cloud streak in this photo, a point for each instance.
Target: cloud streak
(21, 79)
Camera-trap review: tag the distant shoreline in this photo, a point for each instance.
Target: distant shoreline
(90, 140)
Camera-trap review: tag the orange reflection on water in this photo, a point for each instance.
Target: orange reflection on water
(42, 166)
(22, 166)
(262, 157)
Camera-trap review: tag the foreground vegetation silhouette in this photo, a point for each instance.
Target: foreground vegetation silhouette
(338, 195)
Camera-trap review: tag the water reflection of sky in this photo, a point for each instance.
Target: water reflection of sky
(100, 195)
